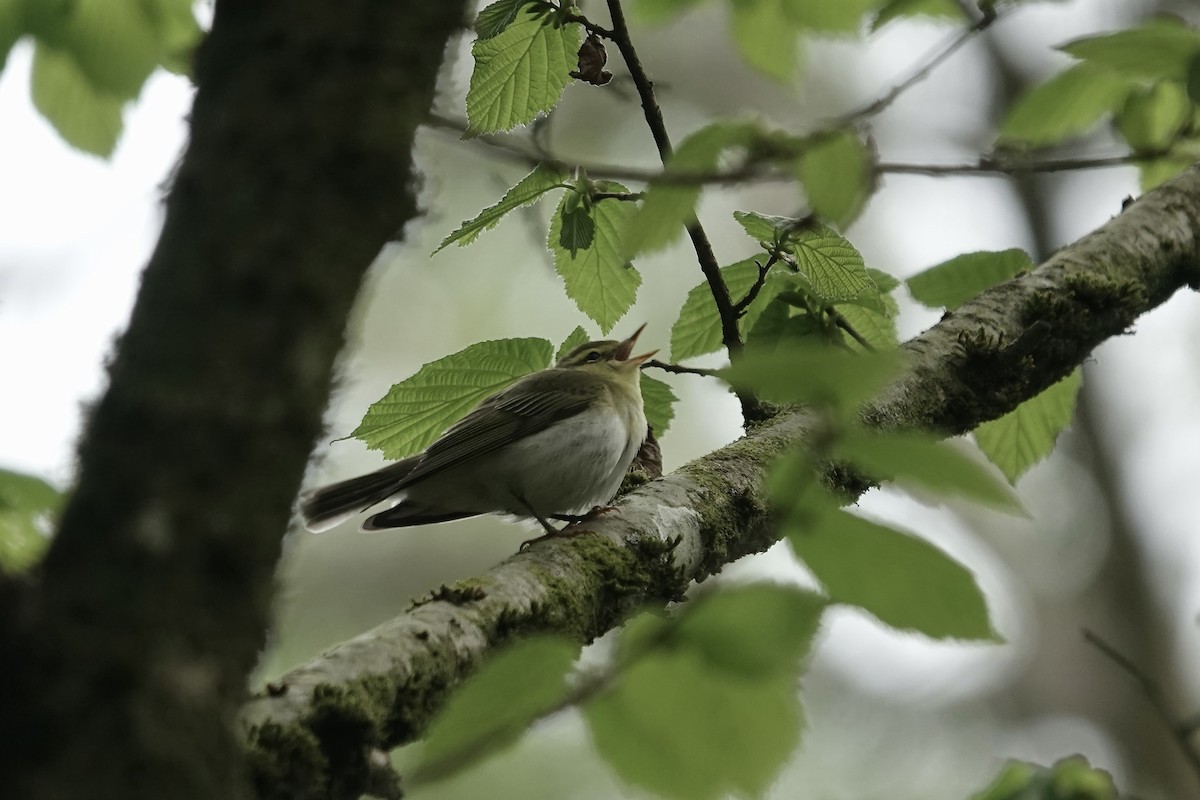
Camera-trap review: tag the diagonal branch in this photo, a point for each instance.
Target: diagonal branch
(381, 689)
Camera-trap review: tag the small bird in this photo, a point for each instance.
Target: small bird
(552, 444)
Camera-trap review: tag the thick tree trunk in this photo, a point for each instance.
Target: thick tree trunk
(125, 656)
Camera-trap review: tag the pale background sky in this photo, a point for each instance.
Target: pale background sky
(75, 232)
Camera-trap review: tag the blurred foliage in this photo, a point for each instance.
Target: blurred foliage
(27, 506)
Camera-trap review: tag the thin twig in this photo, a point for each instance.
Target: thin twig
(680, 370)
(986, 165)
(730, 335)
(1180, 732)
(741, 305)
(627, 196)
(590, 26)
(845, 325)
(932, 62)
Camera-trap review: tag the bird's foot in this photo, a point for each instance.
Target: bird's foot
(576, 519)
(571, 529)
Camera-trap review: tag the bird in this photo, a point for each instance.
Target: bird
(552, 444)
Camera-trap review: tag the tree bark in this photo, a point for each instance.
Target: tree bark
(126, 654)
(320, 724)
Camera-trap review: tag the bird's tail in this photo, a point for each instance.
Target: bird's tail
(329, 505)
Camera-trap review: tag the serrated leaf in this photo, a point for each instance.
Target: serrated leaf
(659, 401)
(542, 179)
(599, 278)
(495, 705)
(766, 228)
(493, 19)
(1027, 434)
(574, 339)
(935, 9)
(1066, 105)
(666, 208)
(886, 282)
(955, 281)
(417, 410)
(1152, 118)
(833, 269)
(902, 581)
(84, 116)
(576, 229)
(843, 16)
(1156, 50)
(836, 173)
(697, 331)
(919, 458)
(520, 72)
(27, 505)
(654, 731)
(765, 37)
(813, 374)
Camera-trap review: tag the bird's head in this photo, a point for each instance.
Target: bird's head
(609, 358)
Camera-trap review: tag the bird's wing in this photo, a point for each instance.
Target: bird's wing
(529, 406)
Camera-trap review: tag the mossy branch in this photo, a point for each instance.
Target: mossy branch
(314, 733)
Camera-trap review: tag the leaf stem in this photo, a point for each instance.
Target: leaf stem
(844, 324)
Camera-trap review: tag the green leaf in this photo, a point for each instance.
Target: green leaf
(1160, 170)
(1151, 119)
(898, 9)
(1067, 105)
(832, 269)
(576, 229)
(1026, 435)
(574, 339)
(495, 705)
(836, 173)
(115, 45)
(599, 278)
(1071, 778)
(493, 19)
(84, 116)
(1193, 80)
(417, 410)
(954, 282)
(765, 37)
(903, 581)
(659, 401)
(12, 26)
(27, 505)
(777, 327)
(543, 179)
(919, 458)
(842, 16)
(520, 72)
(178, 33)
(767, 229)
(697, 331)
(667, 208)
(676, 727)
(879, 329)
(755, 631)
(1156, 50)
(813, 374)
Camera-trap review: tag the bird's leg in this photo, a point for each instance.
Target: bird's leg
(550, 529)
(571, 519)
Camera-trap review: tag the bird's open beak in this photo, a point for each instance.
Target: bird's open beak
(626, 347)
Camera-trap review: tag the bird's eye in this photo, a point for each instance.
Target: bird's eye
(592, 357)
